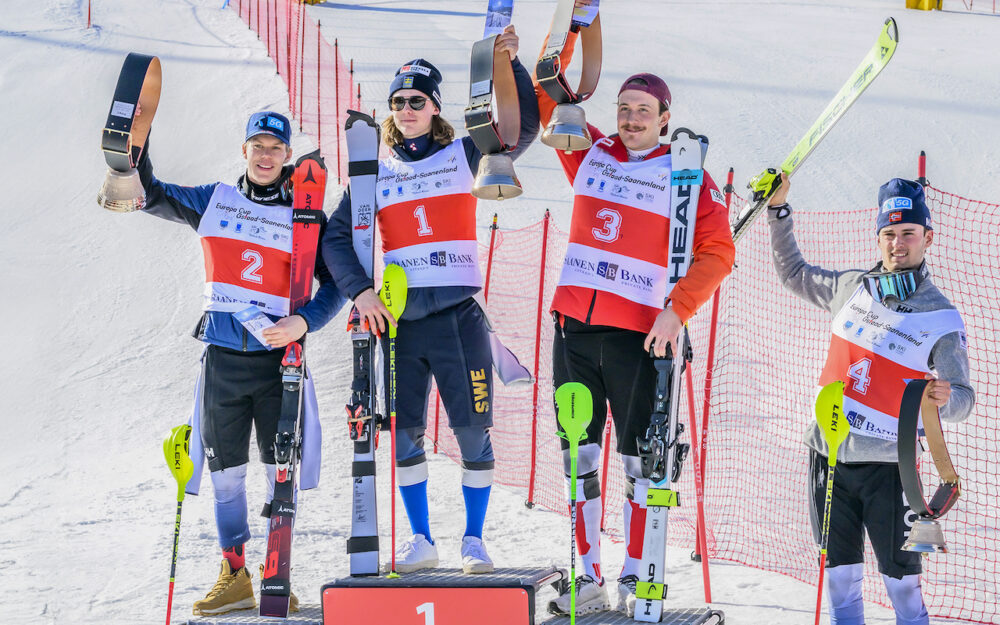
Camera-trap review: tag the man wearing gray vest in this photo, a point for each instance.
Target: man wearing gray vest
(918, 334)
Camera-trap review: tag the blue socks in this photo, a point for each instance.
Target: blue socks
(415, 502)
(476, 500)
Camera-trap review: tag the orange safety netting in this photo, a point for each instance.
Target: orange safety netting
(770, 349)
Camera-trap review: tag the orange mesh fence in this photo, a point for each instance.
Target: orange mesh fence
(319, 81)
(769, 351)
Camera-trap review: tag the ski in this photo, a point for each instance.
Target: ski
(362, 418)
(764, 185)
(308, 187)
(661, 451)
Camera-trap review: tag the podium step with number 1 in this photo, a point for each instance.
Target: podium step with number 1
(438, 597)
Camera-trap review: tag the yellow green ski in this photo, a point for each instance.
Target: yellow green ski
(764, 185)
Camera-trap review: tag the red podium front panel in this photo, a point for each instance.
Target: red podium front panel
(437, 597)
(425, 606)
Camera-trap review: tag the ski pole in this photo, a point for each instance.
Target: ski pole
(176, 450)
(830, 416)
(576, 407)
(393, 295)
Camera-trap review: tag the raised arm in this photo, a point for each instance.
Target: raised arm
(170, 201)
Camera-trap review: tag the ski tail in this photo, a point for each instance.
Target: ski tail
(764, 185)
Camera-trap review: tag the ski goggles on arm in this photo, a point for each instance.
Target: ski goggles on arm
(417, 102)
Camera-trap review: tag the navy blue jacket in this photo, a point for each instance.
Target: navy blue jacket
(187, 205)
(338, 245)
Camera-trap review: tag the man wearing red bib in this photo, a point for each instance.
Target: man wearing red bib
(613, 303)
(890, 325)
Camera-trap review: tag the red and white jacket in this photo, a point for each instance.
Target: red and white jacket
(615, 269)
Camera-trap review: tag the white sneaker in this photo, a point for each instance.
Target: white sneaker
(474, 556)
(626, 594)
(414, 555)
(590, 597)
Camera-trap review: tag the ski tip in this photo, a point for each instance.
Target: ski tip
(315, 155)
(892, 29)
(357, 116)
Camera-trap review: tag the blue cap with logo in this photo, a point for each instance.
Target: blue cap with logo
(420, 75)
(902, 202)
(269, 123)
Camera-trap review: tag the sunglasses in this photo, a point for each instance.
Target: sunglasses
(417, 102)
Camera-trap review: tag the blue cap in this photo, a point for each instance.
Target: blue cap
(269, 123)
(420, 75)
(902, 202)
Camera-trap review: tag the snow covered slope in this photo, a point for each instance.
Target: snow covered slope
(98, 306)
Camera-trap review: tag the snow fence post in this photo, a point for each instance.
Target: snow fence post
(699, 486)
(319, 72)
(336, 98)
(709, 369)
(538, 337)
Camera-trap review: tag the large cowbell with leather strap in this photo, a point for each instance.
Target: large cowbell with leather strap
(125, 133)
(926, 535)
(496, 135)
(567, 129)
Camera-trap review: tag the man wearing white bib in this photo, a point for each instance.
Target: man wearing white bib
(609, 306)
(246, 237)
(890, 325)
(426, 216)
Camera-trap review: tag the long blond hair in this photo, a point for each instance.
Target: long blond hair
(441, 131)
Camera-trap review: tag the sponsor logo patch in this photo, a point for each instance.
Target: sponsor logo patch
(896, 204)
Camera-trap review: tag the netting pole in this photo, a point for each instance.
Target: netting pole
(302, 57)
(288, 56)
(336, 99)
(258, 20)
(922, 169)
(709, 370)
(604, 468)
(359, 97)
(699, 486)
(267, 25)
(277, 54)
(88, 13)
(489, 259)
(538, 339)
(319, 72)
(350, 89)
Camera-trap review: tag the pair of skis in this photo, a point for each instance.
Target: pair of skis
(363, 421)
(308, 189)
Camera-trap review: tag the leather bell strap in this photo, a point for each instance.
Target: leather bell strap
(492, 75)
(915, 402)
(124, 135)
(549, 70)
